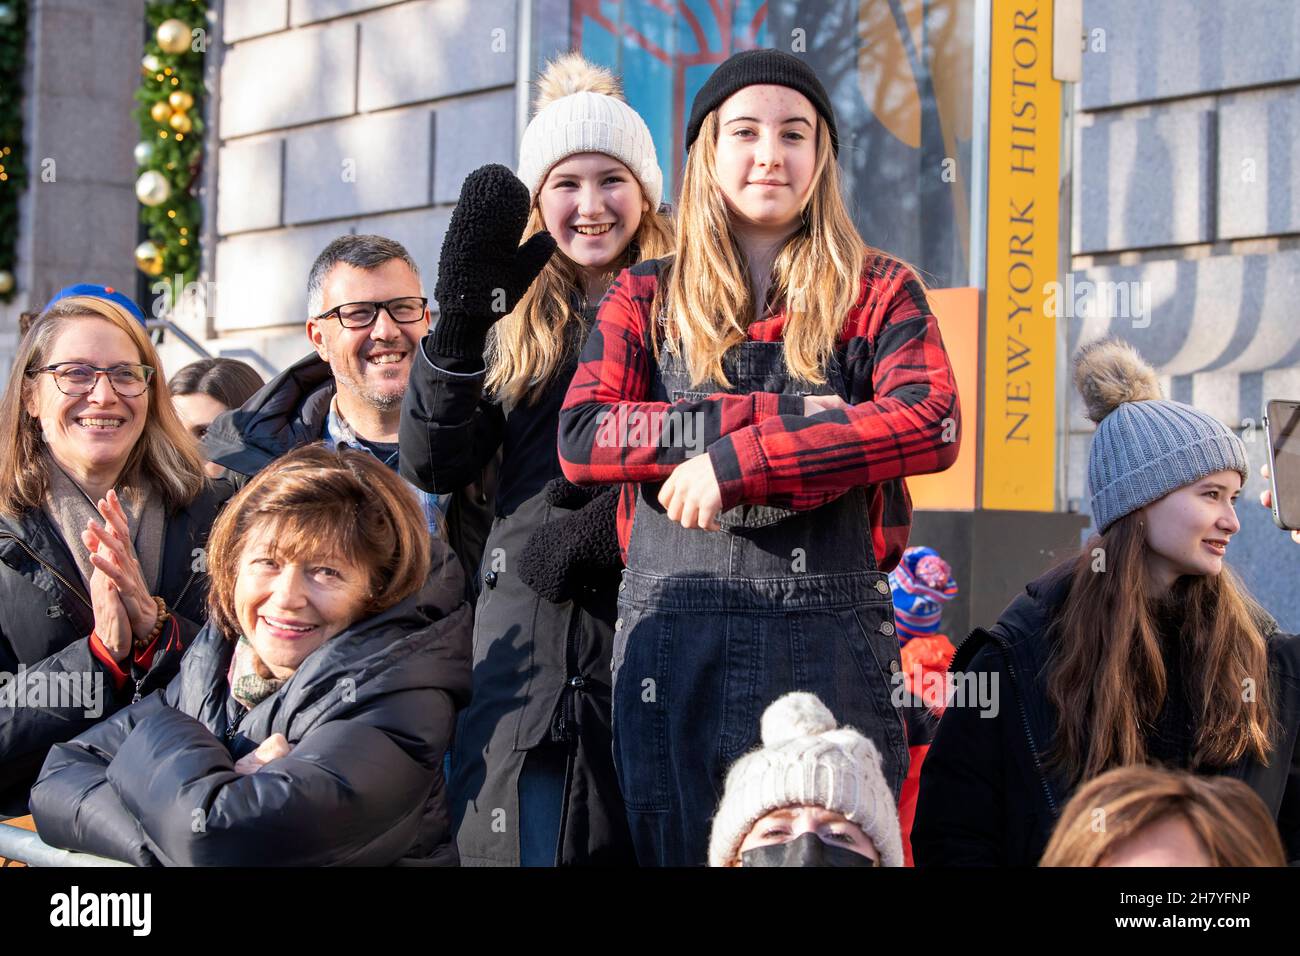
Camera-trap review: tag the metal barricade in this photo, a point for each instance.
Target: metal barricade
(24, 846)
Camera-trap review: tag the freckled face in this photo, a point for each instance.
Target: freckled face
(766, 154)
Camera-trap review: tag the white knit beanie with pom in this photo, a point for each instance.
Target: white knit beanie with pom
(806, 760)
(580, 109)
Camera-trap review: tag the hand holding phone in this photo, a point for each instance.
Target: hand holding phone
(1266, 497)
(1282, 429)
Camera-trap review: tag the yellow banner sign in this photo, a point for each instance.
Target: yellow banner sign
(1019, 449)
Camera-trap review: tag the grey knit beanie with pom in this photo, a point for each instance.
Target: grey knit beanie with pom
(806, 761)
(1145, 446)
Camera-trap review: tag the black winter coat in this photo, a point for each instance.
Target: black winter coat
(987, 798)
(46, 620)
(541, 670)
(292, 410)
(368, 714)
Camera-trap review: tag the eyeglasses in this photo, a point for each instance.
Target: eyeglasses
(359, 315)
(75, 378)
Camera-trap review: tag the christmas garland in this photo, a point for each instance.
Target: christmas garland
(13, 169)
(169, 156)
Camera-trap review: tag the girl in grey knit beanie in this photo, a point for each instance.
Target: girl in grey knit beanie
(1145, 447)
(1143, 648)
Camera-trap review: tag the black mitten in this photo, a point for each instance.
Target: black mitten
(483, 271)
(578, 549)
(562, 493)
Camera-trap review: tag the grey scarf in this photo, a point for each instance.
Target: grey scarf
(69, 508)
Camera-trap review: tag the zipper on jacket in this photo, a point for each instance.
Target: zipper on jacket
(562, 727)
(185, 590)
(49, 567)
(234, 723)
(1005, 649)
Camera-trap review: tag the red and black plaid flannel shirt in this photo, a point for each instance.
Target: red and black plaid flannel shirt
(763, 449)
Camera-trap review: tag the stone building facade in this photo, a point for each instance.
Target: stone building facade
(1186, 175)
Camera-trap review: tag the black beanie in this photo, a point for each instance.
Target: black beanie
(755, 68)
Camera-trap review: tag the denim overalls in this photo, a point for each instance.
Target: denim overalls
(714, 626)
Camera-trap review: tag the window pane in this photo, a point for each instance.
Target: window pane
(899, 73)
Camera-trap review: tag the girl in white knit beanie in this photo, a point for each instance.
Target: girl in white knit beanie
(812, 795)
(523, 267)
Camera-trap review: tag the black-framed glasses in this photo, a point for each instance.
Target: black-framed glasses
(129, 380)
(358, 315)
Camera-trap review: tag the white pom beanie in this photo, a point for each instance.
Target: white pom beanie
(805, 760)
(579, 111)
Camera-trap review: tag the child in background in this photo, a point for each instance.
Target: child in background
(921, 584)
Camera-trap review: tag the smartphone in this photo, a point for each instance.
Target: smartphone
(1282, 429)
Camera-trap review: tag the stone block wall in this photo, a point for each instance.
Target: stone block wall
(1187, 193)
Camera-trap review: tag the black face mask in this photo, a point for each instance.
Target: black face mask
(805, 850)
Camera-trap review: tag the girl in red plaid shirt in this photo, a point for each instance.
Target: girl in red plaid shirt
(764, 391)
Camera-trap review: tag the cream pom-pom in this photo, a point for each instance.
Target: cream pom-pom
(795, 715)
(573, 73)
(1110, 372)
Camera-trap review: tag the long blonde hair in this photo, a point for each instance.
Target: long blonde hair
(528, 348)
(817, 275)
(1107, 680)
(166, 454)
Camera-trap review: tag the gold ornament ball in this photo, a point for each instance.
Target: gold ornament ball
(181, 123)
(173, 36)
(148, 258)
(152, 188)
(150, 65)
(6, 282)
(160, 112)
(143, 153)
(181, 101)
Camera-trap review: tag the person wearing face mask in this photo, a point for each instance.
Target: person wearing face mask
(532, 778)
(766, 389)
(1143, 649)
(104, 509)
(811, 795)
(309, 719)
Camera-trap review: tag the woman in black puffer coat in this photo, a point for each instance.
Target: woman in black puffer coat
(80, 444)
(309, 721)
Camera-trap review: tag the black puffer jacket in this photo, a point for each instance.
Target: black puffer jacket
(369, 715)
(45, 625)
(286, 413)
(987, 797)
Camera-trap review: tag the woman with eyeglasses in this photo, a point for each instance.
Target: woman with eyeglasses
(104, 516)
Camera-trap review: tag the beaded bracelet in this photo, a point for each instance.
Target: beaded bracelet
(142, 643)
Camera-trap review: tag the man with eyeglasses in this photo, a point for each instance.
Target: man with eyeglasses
(367, 312)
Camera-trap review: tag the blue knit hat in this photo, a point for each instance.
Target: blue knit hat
(98, 292)
(922, 583)
(1145, 446)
